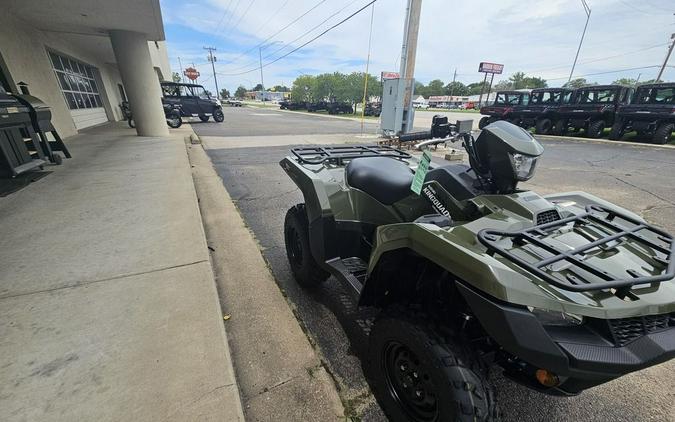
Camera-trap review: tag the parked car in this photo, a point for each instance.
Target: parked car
(292, 105)
(373, 109)
(592, 109)
(193, 101)
(234, 102)
(542, 110)
(339, 107)
(651, 113)
(423, 106)
(503, 106)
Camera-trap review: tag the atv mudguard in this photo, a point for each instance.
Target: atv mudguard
(458, 251)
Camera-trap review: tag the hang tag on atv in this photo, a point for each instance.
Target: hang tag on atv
(421, 173)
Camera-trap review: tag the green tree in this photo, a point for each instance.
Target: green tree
(436, 87)
(533, 82)
(576, 83)
(258, 87)
(502, 86)
(304, 88)
(224, 93)
(207, 92)
(456, 88)
(240, 92)
(625, 81)
(474, 88)
(280, 88)
(175, 76)
(517, 80)
(421, 89)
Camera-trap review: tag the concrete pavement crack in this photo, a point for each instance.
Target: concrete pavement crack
(278, 195)
(641, 189)
(88, 282)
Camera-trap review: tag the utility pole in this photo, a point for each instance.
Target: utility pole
(182, 76)
(583, 34)
(407, 70)
(212, 59)
(665, 62)
(262, 81)
(452, 89)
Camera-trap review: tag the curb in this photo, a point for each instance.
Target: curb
(279, 374)
(602, 141)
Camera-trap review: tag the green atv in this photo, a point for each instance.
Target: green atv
(563, 292)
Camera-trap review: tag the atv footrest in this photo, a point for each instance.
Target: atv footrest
(536, 250)
(350, 271)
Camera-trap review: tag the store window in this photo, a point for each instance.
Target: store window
(77, 83)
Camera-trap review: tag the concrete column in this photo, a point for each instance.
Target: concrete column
(140, 82)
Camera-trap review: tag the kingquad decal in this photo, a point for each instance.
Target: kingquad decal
(436, 203)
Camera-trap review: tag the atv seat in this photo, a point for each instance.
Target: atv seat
(385, 179)
(457, 179)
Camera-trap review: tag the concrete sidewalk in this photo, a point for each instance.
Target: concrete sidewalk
(108, 306)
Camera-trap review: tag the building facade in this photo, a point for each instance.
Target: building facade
(64, 52)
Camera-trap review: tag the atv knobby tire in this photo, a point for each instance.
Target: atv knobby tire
(296, 235)
(617, 131)
(595, 129)
(417, 375)
(484, 121)
(663, 133)
(560, 128)
(543, 126)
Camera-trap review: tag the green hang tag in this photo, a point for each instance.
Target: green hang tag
(421, 173)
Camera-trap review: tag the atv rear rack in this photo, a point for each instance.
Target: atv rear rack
(337, 155)
(581, 275)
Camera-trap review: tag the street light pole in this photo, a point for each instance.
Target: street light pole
(212, 59)
(262, 81)
(665, 62)
(583, 34)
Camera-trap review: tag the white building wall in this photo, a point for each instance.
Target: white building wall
(24, 50)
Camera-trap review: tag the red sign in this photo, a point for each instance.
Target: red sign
(486, 67)
(390, 75)
(191, 73)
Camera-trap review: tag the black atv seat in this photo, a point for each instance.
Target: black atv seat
(458, 179)
(385, 179)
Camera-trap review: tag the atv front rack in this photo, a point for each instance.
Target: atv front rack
(610, 228)
(337, 155)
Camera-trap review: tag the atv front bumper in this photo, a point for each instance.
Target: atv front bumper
(580, 356)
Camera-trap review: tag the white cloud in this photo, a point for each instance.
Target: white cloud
(524, 35)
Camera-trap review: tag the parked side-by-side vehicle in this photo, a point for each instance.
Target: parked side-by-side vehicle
(592, 109)
(651, 114)
(193, 101)
(503, 106)
(541, 113)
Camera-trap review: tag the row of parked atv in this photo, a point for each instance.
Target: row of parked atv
(332, 107)
(648, 110)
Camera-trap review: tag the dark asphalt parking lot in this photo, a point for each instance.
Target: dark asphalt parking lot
(639, 178)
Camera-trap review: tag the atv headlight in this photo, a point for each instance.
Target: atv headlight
(556, 318)
(523, 166)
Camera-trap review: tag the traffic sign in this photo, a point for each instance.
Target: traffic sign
(191, 73)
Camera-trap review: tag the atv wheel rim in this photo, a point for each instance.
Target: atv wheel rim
(294, 248)
(408, 383)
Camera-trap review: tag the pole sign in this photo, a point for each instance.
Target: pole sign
(191, 73)
(390, 75)
(493, 68)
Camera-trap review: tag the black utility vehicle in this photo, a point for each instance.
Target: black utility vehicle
(317, 106)
(651, 113)
(193, 100)
(503, 106)
(373, 109)
(542, 110)
(292, 105)
(339, 107)
(592, 109)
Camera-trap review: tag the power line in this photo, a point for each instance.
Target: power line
(305, 44)
(236, 25)
(223, 16)
(229, 20)
(607, 72)
(313, 28)
(289, 44)
(278, 32)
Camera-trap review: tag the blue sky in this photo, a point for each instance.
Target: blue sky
(534, 36)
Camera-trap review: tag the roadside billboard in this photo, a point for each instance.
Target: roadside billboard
(494, 68)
